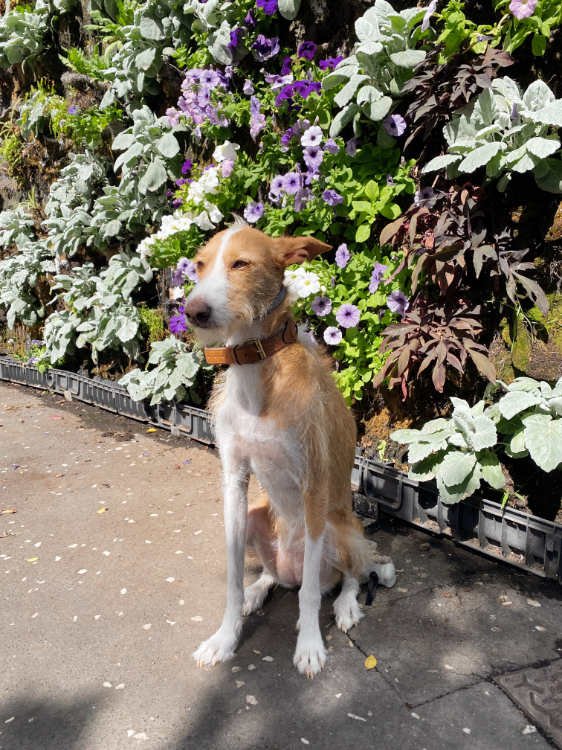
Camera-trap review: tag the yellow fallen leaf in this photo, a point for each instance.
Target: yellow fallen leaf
(370, 662)
(102, 510)
(151, 429)
(32, 559)
(7, 511)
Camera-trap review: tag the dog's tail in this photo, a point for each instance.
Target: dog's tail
(353, 554)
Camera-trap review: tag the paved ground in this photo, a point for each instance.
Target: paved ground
(112, 571)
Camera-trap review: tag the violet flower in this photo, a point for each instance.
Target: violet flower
(235, 38)
(306, 50)
(177, 324)
(253, 212)
(73, 109)
(249, 20)
(302, 197)
(332, 336)
(187, 166)
(522, 8)
(331, 146)
(269, 7)
(321, 306)
(313, 157)
(277, 187)
(291, 183)
(394, 125)
(248, 87)
(265, 48)
(257, 119)
(342, 256)
(376, 277)
(397, 302)
(330, 62)
(332, 197)
(348, 316)
(423, 194)
(351, 146)
(286, 66)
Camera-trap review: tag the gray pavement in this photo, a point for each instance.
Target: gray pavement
(112, 571)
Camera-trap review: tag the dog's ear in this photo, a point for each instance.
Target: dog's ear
(291, 250)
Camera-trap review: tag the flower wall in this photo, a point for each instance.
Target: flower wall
(422, 143)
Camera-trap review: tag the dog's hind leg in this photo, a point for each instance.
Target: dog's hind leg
(261, 538)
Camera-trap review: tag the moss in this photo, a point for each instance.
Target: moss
(539, 353)
(153, 323)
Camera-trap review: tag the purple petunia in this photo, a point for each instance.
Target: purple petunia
(321, 306)
(235, 37)
(73, 109)
(185, 269)
(187, 166)
(394, 125)
(291, 183)
(253, 212)
(286, 66)
(306, 50)
(423, 194)
(277, 188)
(269, 7)
(348, 316)
(306, 87)
(257, 119)
(331, 146)
(522, 8)
(249, 19)
(330, 63)
(351, 146)
(248, 87)
(397, 302)
(376, 277)
(313, 157)
(332, 197)
(342, 256)
(265, 48)
(177, 324)
(332, 336)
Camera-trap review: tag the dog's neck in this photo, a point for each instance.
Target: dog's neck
(260, 328)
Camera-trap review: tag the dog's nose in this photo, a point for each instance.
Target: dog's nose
(198, 312)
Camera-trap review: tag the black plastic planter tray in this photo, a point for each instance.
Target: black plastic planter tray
(526, 541)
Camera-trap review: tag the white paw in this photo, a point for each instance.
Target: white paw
(219, 647)
(386, 573)
(347, 611)
(310, 655)
(256, 594)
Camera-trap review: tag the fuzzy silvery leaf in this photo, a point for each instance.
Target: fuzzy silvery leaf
(491, 469)
(537, 96)
(542, 147)
(480, 156)
(543, 440)
(454, 494)
(122, 141)
(515, 402)
(348, 91)
(367, 29)
(516, 447)
(219, 44)
(440, 162)
(343, 118)
(168, 145)
(456, 467)
(344, 71)
(144, 59)
(289, 9)
(424, 471)
(149, 29)
(127, 330)
(407, 58)
(154, 177)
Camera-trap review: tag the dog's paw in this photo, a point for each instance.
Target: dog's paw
(386, 573)
(310, 655)
(256, 594)
(347, 611)
(219, 647)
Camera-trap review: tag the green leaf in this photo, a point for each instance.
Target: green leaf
(543, 440)
(149, 29)
(348, 91)
(122, 141)
(515, 402)
(145, 59)
(542, 147)
(440, 162)
(451, 495)
(363, 233)
(128, 330)
(538, 45)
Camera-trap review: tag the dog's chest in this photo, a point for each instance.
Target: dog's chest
(252, 439)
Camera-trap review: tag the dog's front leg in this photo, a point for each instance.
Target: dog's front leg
(221, 645)
(310, 654)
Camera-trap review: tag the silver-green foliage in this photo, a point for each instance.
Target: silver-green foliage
(380, 64)
(529, 416)
(507, 131)
(171, 377)
(461, 451)
(22, 35)
(456, 452)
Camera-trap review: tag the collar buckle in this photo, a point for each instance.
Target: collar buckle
(259, 349)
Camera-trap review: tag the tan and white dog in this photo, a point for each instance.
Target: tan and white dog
(278, 415)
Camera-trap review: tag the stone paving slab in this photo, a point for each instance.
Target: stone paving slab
(480, 717)
(539, 693)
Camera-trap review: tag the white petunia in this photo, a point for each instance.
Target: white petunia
(226, 152)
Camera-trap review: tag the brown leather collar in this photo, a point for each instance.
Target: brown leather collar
(254, 350)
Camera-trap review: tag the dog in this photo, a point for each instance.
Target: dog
(279, 415)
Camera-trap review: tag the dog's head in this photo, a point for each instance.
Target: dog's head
(240, 274)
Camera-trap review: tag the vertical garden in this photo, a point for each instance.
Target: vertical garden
(422, 143)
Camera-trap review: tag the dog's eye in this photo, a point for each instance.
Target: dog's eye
(240, 263)
(199, 265)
